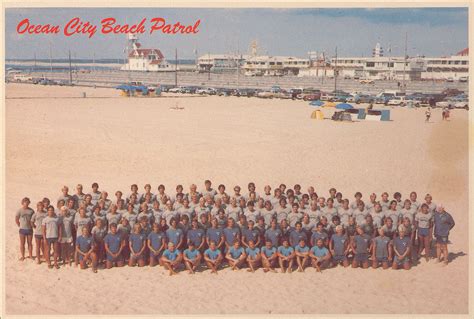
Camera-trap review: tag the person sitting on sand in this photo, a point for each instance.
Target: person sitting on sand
(23, 221)
(236, 255)
(302, 255)
(253, 256)
(286, 256)
(320, 256)
(213, 257)
(360, 245)
(269, 257)
(171, 258)
(114, 245)
(192, 257)
(402, 249)
(85, 250)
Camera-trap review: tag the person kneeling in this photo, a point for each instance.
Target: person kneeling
(85, 250)
(137, 247)
(402, 248)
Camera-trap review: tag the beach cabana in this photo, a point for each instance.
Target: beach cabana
(316, 103)
(317, 115)
(127, 90)
(344, 106)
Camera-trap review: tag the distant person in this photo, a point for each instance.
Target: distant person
(402, 249)
(192, 258)
(213, 257)
(428, 115)
(171, 258)
(85, 250)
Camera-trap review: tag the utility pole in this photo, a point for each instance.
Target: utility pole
(405, 63)
(176, 67)
(70, 70)
(209, 68)
(335, 73)
(50, 58)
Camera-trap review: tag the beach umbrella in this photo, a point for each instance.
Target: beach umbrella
(316, 103)
(344, 106)
(329, 104)
(125, 87)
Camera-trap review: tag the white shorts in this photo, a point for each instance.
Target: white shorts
(65, 240)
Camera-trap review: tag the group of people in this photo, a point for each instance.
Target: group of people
(283, 229)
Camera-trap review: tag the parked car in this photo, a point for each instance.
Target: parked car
(397, 101)
(464, 104)
(452, 92)
(208, 91)
(47, 82)
(176, 90)
(309, 94)
(367, 81)
(246, 92)
(463, 79)
(224, 92)
(449, 103)
(265, 95)
(450, 79)
(362, 98)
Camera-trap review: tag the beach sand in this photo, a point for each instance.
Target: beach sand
(51, 142)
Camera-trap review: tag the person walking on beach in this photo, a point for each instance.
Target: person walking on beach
(428, 115)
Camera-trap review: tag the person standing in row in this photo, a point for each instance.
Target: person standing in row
(23, 221)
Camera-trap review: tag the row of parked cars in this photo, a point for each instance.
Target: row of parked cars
(451, 98)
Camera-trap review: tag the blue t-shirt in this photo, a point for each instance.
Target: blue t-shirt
(295, 237)
(339, 244)
(156, 239)
(171, 255)
(316, 235)
(230, 235)
(191, 254)
(174, 235)
(252, 252)
(274, 236)
(300, 249)
(268, 251)
(236, 253)
(285, 251)
(402, 244)
(113, 241)
(319, 252)
(196, 236)
(212, 254)
(137, 241)
(84, 243)
(443, 222)
(214, 234)
(250, 234)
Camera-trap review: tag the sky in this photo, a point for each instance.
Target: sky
(355, 31)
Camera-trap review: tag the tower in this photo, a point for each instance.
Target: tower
(377, 51)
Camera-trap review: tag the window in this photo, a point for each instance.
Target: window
(370, 64)
(390, 64)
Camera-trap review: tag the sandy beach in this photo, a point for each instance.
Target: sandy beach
(56, 138)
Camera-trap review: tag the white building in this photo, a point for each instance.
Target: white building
(379, 67)
(139, 59)
(220, 62)
(264, 65)
(454, 67)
